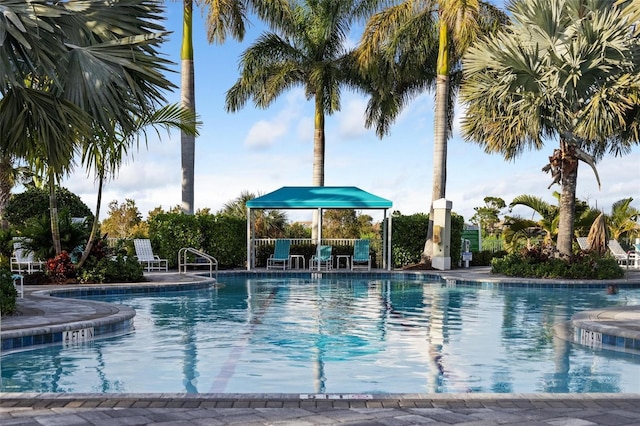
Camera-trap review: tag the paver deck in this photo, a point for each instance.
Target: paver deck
(37, 311)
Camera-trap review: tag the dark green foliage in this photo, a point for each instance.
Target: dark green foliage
(540, 263)
(34, 202)
(457, 226)
(118, 269)
(8, 293)
(107, 264)
(169, 232)
(225, 238)
(6, 243)
(409, 234)
(37, 229)
(221, 236)
(484, 257)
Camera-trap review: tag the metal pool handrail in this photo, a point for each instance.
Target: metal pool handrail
(201, 259)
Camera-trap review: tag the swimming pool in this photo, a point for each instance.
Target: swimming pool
(355, 336)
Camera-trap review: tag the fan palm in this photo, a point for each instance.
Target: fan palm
(72, 70)
(307, 49)
(564, 69)
(412, 47)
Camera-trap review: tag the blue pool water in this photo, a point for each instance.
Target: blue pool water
(337, 336)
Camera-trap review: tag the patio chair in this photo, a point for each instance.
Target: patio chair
(325, 260)
(144, 253)
(583, 243)
(280, 257)
(618, 252)
(23, 260)
(361, 258)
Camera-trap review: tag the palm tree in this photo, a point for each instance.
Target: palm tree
(308, 49)
(104, 154)
(423, 42)
(93, 70)
(623, 221)
(564, 69)
(223, 17)
(548, 222)
(267, 223)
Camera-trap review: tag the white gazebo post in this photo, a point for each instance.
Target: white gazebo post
(441, 258)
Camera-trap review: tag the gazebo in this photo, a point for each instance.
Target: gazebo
(320, 198)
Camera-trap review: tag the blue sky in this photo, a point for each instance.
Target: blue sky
(261, 150)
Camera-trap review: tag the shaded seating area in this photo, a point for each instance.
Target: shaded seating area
(144, 253)
(319, 198)
(23, 260)
(280, 257)
(323, 259)
(361, 258)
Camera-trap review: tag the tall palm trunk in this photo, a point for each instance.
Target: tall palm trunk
(96, 223)
(318, 158)
(53, 211)
(567, 198)
(440, 134)
(187, 141)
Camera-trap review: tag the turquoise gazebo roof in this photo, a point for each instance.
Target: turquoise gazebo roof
(314, 197)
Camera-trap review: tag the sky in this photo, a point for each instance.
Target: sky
(261, 150)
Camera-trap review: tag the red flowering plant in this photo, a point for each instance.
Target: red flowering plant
(61, 268)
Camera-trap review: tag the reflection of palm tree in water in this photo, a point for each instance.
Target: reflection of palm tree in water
(428, 306)
(182, 314)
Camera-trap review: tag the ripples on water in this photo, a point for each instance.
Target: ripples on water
(338, 336)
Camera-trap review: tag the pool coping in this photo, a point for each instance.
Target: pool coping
(612, 328)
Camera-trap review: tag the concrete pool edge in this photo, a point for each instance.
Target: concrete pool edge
(270, 409)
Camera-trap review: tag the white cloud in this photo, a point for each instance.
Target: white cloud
(265, 133)
(351, 119)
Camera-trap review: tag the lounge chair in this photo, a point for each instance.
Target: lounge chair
(361, 258)
(144, 253)
(23, 260)
(583, 243)
(280, 257)
(618, 252)
(325, 260)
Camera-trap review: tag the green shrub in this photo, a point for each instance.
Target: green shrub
(225, 238)
(34, 202)
(118, 269)
(8, 293)
(540, 263)
(221, 236)
(409, 234)
(37, 231)
(484, 257)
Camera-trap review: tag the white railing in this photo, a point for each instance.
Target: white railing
(188, 256)
(307, 241)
